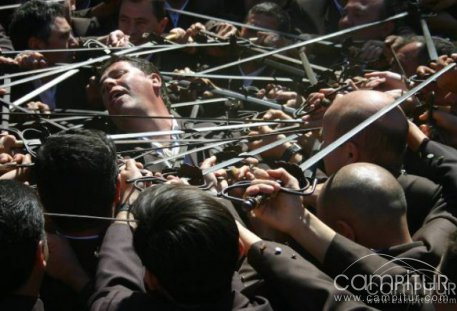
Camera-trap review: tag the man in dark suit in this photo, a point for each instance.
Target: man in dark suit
(189, 246)
(388, 134)
(76, 173)
(362, 206)
(134, 87)
(24, 248)
(38, 25)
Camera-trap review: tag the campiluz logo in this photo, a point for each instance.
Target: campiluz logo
(397, 281)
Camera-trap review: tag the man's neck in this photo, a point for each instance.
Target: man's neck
(150, 125)
(32, 287)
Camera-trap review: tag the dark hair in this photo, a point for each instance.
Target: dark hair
(144, 65)
(156, 5)
(188, 240)
(33, 19)
(21, 229)
(443, 47)
(76, 173)
(273, 10)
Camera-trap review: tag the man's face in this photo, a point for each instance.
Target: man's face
(126, 90)
(135, 19)
(259, 20)
(61, 37)
(358, 12)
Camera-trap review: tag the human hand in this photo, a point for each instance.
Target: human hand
(385, 80)
(445, 123)
(22, 172)
(225, 30)
(129, 171)
(31, 60)
(280, 210)
(117, 38)
(38, 107)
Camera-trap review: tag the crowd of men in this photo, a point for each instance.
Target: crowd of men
(171, 155)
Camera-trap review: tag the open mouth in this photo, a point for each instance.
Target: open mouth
(115, 95)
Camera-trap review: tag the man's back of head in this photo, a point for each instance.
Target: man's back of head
(383, 142)
(188, 241)
(21, 235)
(365, 203)
(76, 173)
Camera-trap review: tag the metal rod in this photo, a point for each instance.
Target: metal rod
(337, 143)
(308, 42)
(251, 153)
(45, 87)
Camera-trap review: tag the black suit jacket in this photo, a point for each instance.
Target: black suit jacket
(119, 284)
(210, 8)
(70, 93)
(438, 162)
(20, 303)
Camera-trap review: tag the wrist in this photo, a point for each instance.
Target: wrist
(292, 154)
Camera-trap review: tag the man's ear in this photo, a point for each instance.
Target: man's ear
(151, 281)
(345, 229)
(35, 43)
(163, 24)
(352, 152)
(156, 82)
(41, 254)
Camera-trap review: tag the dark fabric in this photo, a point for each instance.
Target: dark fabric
(210, 8)
(55, 294)
(299, 283)
(20, 303)
(350, 260)
(438, 163)
(422, 195)
(83, 26)
(119, 282)
(70, 93)
(5, 42)
(323, 15)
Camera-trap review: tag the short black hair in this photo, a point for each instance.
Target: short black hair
(76, 173)
(273, 10)
(21, 230)
(188, 240)
(34, 18)
(144, 65)
(156, 5)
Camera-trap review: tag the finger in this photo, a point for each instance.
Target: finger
(281, 174)
(5, 158)
(267, 188)
(207, 163)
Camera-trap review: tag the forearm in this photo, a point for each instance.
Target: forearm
(314, 236)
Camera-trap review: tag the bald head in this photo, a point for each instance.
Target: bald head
(368, 200)
(382, 143)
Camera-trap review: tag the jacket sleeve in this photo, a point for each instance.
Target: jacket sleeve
(297, 281)
(120, 271)
(438, 163)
